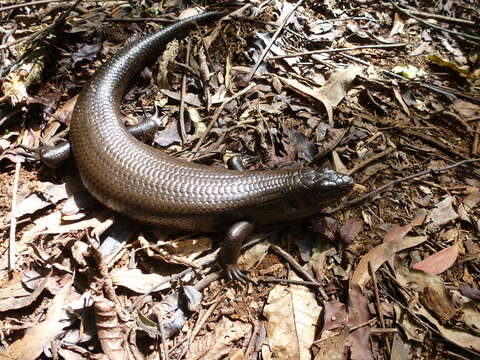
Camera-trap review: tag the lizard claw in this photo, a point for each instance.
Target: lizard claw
(235, 274)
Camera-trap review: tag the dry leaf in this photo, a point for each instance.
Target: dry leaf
(137, 281)
(434, 295)
(189, 98)
(413, 329)
(334, 347)
(381, 253)
(439, 262)
(338, 84)
(30, 346)
(218, 344)
(253, 255)
(358, 313)
(314, 93)
(459, 337)
(400, 348)
(16, 296)
(292, 314)
(442, 214)
(110, 333)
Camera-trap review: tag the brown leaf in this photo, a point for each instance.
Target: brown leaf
(442, 214)
(307, 91)
(110, 333)
(338, 84)
(290, 310)
(350, 230)
(397, 232)
(30, 346)
(394, 242)
(137, 281)
(335, 315)
(334, 347)
(439, 304)
(217, 344)
(16, 296)
(439, 262)
(358, 314)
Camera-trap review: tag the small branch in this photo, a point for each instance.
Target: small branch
(438, 89)
(248, 19)
(375, 157)
(160, 20)
(297, 267)
(158, 312)
(13, 219)
(288, 281)
(27, 4)
(382, 46)
(345, 19)
(272, 40)
(433, 141)
(398, 181)
(384, 331)
(215, 117)
(433, 26)
(443, 18)
(203, 319)
(378, 304)
(183, 133)
(475, 140)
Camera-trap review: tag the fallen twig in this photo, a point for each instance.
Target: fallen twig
(381, 46)
(379, 305)
(433, 26)
(395, 182)
(13, 219)
(215, 117)
(272, 40)
(183, 133)
(375, 157)
(443, 18)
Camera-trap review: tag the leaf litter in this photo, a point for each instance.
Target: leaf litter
(379, 91)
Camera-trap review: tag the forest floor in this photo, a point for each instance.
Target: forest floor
(386, 92)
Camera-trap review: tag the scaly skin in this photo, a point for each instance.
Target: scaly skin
(147, 185)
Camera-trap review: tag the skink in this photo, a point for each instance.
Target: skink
(145, 184)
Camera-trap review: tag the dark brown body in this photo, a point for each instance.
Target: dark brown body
(148, 185)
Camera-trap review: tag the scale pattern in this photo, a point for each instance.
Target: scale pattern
(150, 186)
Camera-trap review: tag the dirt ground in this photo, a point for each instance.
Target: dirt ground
(386, 92)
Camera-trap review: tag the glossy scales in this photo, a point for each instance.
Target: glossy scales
(148, 185)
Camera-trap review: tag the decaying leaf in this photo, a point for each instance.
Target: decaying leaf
(189, 98)
(110, 333)
(291, 310)
(439, 262)
(442, 214)
(334, 347)
(137, 281)
(359, 313)
(457, 336)
(16, 296)
(412, 328)
(253, 255)
(314, 93)
(167, 58)
(381, 253)
(339, 84)
(434, 296)
(31, 345)
(219, 343)
(48, 193)
(16, 84)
